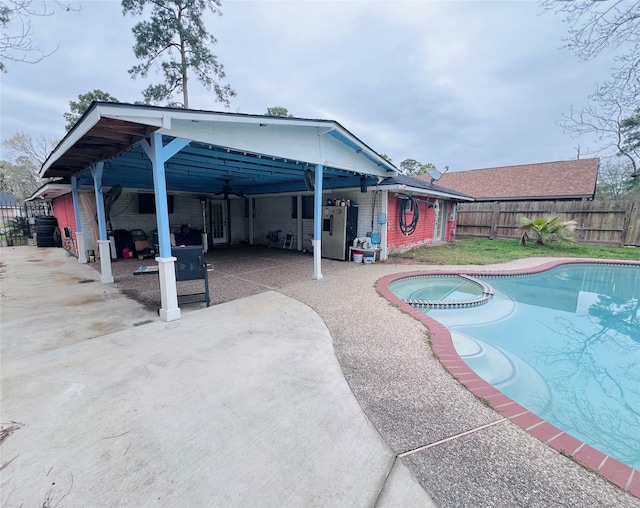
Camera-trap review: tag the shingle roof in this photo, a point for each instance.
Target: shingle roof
(574, 179)
(420, 183)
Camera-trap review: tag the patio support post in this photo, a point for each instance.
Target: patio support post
(104, 246)
(317, 224)
(82, 249)
(158, 153)
(384, 249)
(299, 227)
(251, 224)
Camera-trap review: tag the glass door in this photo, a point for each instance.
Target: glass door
(218, 214)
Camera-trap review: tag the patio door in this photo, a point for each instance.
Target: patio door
(218, 215)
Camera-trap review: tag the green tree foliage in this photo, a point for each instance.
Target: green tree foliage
(614, 180)
(547, 229)
(77, 108)
(278, 111)
(175, 38)
(20, 176)
(412, 167)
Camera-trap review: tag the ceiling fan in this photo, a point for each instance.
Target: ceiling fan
(227, 190)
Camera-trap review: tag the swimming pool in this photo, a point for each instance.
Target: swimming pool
(563, 343)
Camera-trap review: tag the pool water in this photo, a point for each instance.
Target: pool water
(446, 287)
(565, 344)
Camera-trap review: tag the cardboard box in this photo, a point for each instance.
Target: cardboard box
(144, 244)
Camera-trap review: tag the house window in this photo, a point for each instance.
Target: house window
(307, 207)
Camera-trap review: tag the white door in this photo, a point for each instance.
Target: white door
(218, 215)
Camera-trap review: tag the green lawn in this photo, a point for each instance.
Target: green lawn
(474, 251)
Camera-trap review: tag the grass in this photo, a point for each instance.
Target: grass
(480, 251)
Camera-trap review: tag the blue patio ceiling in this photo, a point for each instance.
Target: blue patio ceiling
(251, 154)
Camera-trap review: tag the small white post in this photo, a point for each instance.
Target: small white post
(82, 248)
(105, 261)
(169, 310)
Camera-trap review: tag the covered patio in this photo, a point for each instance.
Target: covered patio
(205, 154)
(233, 272)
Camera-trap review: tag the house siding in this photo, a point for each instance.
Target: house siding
(271, 214)
(425, 231)
(63, 211)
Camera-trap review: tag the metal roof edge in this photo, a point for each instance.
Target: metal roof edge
(418, 190)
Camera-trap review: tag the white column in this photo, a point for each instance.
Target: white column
(80, 243)
(105, 261)
(82, 248)
(317, 224)
(169, 310)
(158, 154)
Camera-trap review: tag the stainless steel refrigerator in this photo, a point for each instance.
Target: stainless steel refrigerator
(339, 228)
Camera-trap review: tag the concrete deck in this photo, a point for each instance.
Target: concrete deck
(245, 403)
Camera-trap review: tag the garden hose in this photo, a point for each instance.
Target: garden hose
(409, 228)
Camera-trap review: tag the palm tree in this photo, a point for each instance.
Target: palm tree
(547, 229)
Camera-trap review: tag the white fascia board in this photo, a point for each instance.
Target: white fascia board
(257, 120)
(80, 130)
(366, 149)
(50, 191)
(418, 190)
(304, 142)
(154, 118)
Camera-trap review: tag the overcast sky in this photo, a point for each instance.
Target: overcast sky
(464, 84)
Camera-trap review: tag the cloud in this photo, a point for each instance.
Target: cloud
(465, 84)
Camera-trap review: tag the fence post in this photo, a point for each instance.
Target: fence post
(631, 233)
(494, 220)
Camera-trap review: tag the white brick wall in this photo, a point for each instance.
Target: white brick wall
(271, 214)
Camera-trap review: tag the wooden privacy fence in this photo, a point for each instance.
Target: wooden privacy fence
(599, 222)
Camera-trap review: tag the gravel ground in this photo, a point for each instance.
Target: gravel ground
(414, 402)
(404, 390)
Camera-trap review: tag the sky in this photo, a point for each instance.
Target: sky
(459, 84)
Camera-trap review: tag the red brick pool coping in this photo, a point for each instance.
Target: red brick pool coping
(610, 468)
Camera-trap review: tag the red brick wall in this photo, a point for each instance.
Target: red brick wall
(63, 211)
(396, 240)
(424, 232)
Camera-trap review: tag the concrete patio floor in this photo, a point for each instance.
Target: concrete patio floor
(245, 403)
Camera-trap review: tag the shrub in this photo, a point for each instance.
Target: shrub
(547, 229)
